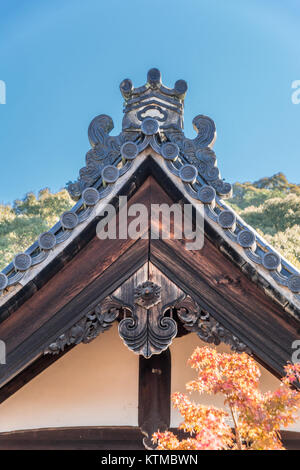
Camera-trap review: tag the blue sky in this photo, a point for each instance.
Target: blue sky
(62, 62)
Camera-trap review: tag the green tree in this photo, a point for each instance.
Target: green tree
(26, 219)
(272, 207)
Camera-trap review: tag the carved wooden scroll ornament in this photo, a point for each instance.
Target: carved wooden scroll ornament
(145, 306)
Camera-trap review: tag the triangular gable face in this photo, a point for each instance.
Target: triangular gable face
(74, 283)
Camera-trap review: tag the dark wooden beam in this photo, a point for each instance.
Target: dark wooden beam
(154, 394)
(78, 438)
(96, 438)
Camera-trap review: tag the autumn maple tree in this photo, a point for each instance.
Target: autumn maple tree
(253, 419)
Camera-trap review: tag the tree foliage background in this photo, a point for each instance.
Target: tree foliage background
(26, 219)
(270, 205)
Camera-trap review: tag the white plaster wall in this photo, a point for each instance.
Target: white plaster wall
(94, 384)
(181, 350)
(97, 385)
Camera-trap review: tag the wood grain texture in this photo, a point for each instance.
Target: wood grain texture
(96, 438)
(146, 330)
(154, 394)
(227, 294)
(80, 438)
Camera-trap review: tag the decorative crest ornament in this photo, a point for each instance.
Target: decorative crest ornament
(147, 294)
(153, 117)
(146, 329)
(153, 100)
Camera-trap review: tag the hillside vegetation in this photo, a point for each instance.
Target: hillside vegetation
(25, 220)
(270, 205)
